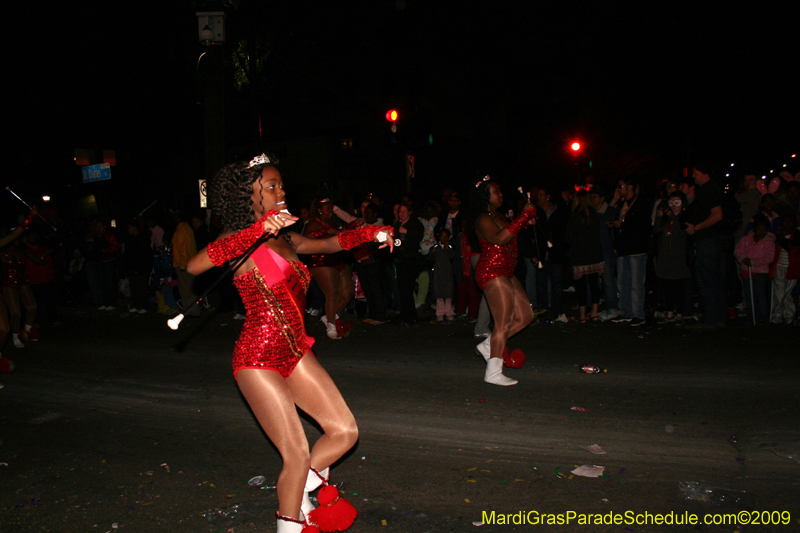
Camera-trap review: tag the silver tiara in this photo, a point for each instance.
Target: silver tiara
(259, 160)
(485, 178)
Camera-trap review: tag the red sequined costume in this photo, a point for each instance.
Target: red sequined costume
(500, 259)
(273, 336)
(13, 268)
(336, 260)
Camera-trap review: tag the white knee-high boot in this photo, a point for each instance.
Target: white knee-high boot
(494, 373)
(313, 482)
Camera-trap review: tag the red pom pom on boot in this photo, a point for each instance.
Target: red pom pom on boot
(342, 328)
(334, 512)
(515, 359)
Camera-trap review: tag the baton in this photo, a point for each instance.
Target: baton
(535, 238)
(143, 211)
(175, 322)
(29, 207)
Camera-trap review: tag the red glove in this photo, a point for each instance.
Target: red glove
(522, 220)
(223, 250)
(351, 238)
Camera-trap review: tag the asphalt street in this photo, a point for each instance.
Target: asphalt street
(112, 422)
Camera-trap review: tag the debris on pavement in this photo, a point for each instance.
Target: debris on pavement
(238, 513)
(589, 471)
(595, 449)
(591, 369)
(695, 491)
(256, 481)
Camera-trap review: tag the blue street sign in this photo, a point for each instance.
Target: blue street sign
(96, 173)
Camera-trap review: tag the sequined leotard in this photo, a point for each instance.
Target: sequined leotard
(496, 260)
(273, 336)
(13, 268)
(336, 260)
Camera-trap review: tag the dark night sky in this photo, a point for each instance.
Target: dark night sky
(510, 83)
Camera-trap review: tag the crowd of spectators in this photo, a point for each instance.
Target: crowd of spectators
(682, 251)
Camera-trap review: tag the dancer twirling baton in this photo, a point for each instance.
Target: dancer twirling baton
(273, 362)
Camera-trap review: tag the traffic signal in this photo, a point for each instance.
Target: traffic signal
(576, 147)
(392, 115)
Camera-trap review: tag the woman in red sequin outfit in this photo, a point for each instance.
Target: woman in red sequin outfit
(494, 274)
(330, 271)
(17, 293)
(273, 364)
(5, 365)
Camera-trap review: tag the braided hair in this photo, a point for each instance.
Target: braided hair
(230, 191)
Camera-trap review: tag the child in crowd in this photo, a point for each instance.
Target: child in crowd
(755, 251)
(785, 271)
(442, 256)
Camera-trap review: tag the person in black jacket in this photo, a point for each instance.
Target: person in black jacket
(408, 260)
(632, 242)
(138, 261)
(555, 250)
(586, 252)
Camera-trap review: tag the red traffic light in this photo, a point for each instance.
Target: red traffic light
(576, 146)
(392, 115)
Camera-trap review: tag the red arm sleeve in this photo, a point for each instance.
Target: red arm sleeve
(351, 238)
(522, 220)
(224, 250)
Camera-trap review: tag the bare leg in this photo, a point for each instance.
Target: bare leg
(346, 289)
(523, 314)
(510, 308)
(315, 393)
(271, 400)
(329, 281)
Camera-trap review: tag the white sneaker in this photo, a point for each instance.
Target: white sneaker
(609, 314)
(110, 308)
(494, 373)
(562, 318)
(133, 310)
(18, 343)
(313, 312)
(331, 330)
(484, 349)
(102, 308)
(142, 311)
(239, 316)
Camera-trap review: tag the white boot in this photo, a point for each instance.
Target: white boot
(18, 343)
(332, 333)
(313, 482)
(494, 373)
(290, 525)
(483, 349)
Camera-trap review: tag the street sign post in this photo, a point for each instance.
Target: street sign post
(96, 173)
(203, 194)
